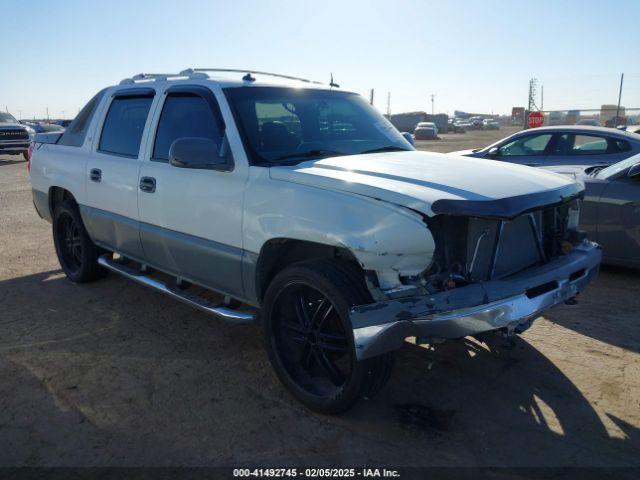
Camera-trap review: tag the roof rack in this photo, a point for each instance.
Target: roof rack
(201, 73)
(145, 77)
(193, 71)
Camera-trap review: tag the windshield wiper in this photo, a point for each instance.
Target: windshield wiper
(388, 148)
(309, 154)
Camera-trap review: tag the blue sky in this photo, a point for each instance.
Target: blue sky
(475, 56)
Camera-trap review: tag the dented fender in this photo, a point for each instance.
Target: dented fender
(387, 238)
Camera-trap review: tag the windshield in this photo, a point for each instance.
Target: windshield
(289, 125)
(616, 168)
(7, 118)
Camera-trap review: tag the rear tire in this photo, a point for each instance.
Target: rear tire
(309, 337)
(77, 254)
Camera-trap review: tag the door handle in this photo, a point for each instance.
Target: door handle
(95, 174)
(148, 184)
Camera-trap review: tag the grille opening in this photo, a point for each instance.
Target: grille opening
(540, 289)
(576, 275)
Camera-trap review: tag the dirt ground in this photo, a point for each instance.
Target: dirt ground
(111, 373)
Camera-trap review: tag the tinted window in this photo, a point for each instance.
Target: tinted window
(572, 144)
(123, 127)
(7, 118)
(76, 132)
(184, 115)
(616, 168)
(529, 145)
(291, 125)
(622, 145)
(588, 144)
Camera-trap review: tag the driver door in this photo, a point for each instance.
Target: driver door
(528, 150)
(191, 219)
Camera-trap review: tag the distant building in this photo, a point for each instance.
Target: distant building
(406, 122)
(517, 116)
(608, 115)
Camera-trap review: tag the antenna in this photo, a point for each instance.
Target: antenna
(332, 83)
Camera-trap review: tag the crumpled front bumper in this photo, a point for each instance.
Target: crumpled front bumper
(511, 303)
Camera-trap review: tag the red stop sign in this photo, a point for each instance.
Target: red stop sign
(536, 119)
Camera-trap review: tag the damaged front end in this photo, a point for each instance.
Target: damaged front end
(497, 266)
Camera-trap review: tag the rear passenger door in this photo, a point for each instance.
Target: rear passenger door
(191, 219)
(111, 211)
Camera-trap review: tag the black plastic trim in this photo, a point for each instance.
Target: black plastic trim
(510, 207)
(135, 92)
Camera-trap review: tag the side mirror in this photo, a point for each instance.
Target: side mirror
(409, 138)
(494, 152)
(634, 171)
(196, 152)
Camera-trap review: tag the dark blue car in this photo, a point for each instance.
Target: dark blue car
(562, 145)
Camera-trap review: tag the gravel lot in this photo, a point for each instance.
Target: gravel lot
(110, 373)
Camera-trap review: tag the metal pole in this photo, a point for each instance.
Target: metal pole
(432, 110)
(371, 97)
(619, 98)
(388, 104)
(542, 97)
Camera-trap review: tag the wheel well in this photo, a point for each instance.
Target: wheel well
(58, 195)
(279, 253)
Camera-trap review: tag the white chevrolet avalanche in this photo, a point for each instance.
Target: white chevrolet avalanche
(300, 202)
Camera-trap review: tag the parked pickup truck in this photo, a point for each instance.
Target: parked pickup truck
(301, 203)
(15, 138)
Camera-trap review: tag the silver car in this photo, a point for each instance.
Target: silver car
(563, 145)
(611, 208)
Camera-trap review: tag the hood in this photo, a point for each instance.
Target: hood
(12, 125)
(419, 179)
(462, 152)
(573, 171)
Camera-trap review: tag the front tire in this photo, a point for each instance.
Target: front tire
(77, 254)
(309, 337)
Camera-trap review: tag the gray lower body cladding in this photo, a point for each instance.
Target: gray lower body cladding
(223, 268)
(511, 303)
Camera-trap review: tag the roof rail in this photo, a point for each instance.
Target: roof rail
(143, 77)
(193, 71)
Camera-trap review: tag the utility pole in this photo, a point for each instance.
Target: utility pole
(371, 97)
(619, 98)
(542, 97)
(532, 100)
(47, 114)
(432, 109)
(19, 114)
(388, 104)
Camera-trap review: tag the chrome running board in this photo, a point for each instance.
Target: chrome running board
(224, 313)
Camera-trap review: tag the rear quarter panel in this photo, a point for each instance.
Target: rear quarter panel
(59, 166)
